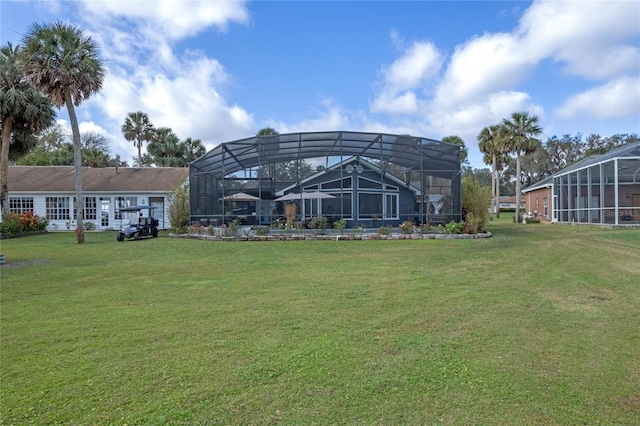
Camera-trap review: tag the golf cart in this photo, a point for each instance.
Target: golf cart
(136, 226)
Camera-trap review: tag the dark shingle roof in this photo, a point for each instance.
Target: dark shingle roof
(108, 179)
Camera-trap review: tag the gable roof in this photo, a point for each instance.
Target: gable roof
(544, 183)
(631, 150)
(350, 160)
(108, 179)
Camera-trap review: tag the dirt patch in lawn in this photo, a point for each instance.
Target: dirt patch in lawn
(22, 263)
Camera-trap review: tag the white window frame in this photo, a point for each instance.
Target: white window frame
(58, 208)
(21, 204)
(390, 203)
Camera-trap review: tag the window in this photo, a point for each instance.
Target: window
(122, 202)
(57, 208)
(90, 208)
(335, 184)
(333, 207)
(369, 205)
(367, 183)
(545, 207)
(20, 204)
(391, 206)
(90, 211)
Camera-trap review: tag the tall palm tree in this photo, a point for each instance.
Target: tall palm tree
(492, 146)
(138, 128)
(24, 112)
(64, 64)
(269, 170)
(520, 132)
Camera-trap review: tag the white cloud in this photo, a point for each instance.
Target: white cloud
(414, 70)
(484, 65)
(481, 80)
(616, 98)
(183, 90)
(189, 102)
(173, 19)
(594, 39)
(90, 126)
(330, 117)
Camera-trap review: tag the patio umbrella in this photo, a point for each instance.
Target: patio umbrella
(240, 196)
(289, 197)
(316, 195)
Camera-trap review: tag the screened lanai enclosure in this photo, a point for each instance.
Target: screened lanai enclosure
(601, 189)
(368, 179)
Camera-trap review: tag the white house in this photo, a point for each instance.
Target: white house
(49, 191)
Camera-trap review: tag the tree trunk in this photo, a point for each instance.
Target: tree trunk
(139, 153)
(518, 171)
(7, 125)
(77, 162)
(498, 193)
(494, 178)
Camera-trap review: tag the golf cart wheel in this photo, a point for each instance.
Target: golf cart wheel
(155, 234)
(136, 236)
(120, 237)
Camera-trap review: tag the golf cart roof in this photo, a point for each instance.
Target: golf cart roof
(136, 208)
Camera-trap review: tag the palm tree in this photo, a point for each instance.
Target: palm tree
(270, 170)
(457, 140)
(64, 64)
(520, 132)
(193, 149)
(138, 128)
(24, 111)
(165, 148)
(492, 146)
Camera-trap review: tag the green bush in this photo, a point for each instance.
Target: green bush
(261, 230)
(384, 230)
(454, 227)
(14, 224)
(406, 227)
(89, 226)
(10, 225)
(476, 200)
(233, 227)
(471, 224)
(179, 209)
(319, 223)
(340, 225)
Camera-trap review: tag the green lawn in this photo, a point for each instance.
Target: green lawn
(538, 325)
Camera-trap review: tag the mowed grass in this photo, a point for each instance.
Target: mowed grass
(537, 325)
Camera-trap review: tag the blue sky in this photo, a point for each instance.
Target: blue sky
(220, 71)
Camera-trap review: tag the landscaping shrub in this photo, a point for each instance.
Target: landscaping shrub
(454, 227)
(179, 209)
(340, 225)
(406, 227)
(476, 200)
(318, 223)
(471, 224)
(14, 224)
(384, 230)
